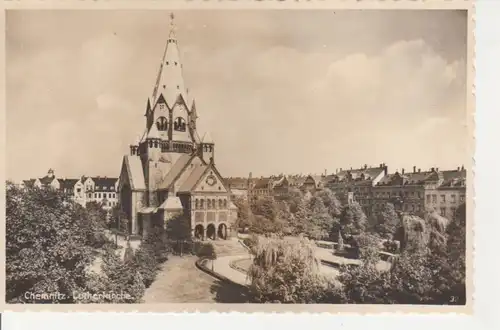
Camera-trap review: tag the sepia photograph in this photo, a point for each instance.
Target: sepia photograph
(238, 157)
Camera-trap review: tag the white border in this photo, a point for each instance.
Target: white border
(487, 228)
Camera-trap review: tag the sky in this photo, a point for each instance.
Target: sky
(279, 91)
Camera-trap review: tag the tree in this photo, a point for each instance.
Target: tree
(287, 271)
(321, 222)
(179, 228)
(245, 215)
(387, 221)
(352, 220)
(331, 202)
(122, 277)
(47, 246)
(265, 207)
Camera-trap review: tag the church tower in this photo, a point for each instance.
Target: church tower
(170, 111)
(170, 172)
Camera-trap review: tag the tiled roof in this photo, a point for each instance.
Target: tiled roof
(68, 183)
(136, 175)
(455, 178)
(171, 203)
(236, 183)
(46, 180)
(262, 183)
(29, 183)
(193, 178)
(101, 182)
(176, 169)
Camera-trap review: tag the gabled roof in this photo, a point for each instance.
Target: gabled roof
(46, 180)
(171, 203)
(134, 171)
(176, 170)
(193, 179)
(29, 183)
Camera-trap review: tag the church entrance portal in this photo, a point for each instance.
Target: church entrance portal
(211, 231)
(198, 231)
(222, 231)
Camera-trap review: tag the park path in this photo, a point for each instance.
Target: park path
(179, 281)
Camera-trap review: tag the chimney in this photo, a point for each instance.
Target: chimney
(325, 171)
(432, 169)
(385, 170)
(437, 169)
(341, 169)
(414, 169)
(463, 168)
(418, 170)
(351, 168)
(458, 169)
(402, 171)
(366, 166)
(380, 165)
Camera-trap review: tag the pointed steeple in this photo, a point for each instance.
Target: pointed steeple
(170, 81)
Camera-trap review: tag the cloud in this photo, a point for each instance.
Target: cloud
(273, 98)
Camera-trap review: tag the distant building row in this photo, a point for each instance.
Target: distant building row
(83, 190)
(412, 191)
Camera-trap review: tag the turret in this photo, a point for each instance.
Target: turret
(207, 148)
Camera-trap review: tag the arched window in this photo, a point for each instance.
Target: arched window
(213, 204)
(202, 204)
(225, 203)
(196, 203)
(209, 204)
(156, 144)
(220, 203)
(180, 124)
(162, 124)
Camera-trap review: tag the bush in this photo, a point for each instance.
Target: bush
(391, 246)
(251, 241)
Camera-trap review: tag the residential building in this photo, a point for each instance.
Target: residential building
(356, 184)
(86, 189)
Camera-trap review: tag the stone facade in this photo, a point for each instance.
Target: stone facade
(170, 173)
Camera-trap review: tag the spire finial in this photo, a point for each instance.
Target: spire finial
(172, 25)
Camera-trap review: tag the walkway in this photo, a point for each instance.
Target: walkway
(179, 281)
(221, 266)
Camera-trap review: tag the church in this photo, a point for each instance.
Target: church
(170, 171)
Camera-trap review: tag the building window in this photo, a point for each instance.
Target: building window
(162, 106)
(213, 204)
(225, 203)
(453, 211)
(453, 199)
(180, 124)
(443, 211)
(196, 203)
(78, 190)
(428, 199)
(462, 198)
(202, 204)
(220, 203)
(90, 195)
(209, 204)
(162, 124)
(434, 199)
(443, 198)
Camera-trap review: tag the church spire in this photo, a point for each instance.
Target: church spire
(170, 82)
